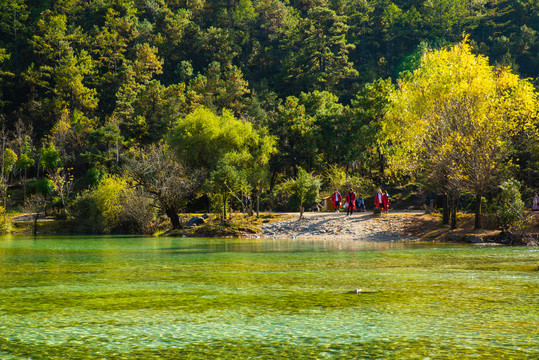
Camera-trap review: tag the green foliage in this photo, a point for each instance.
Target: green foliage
(304, 189)
(93, 176)
(5, 223)
(95, 79)
(107, 202)
(113, 206)
(452, 119)
(42, 186)
(226, 181)
(24, 162)
(10, 159)
(50, 157)
(335, 177)
(361, 185)
(204, 140)
(509, 208)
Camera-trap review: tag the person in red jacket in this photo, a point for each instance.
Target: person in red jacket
(351, 200)
(337, 199)
(378, 199)
(385, 201)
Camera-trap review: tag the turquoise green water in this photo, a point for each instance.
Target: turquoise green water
(150, 298)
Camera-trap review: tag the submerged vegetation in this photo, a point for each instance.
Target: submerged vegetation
(117, 114)
(162, 298)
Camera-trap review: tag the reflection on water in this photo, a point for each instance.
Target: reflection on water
(188, 245)
(131, 297)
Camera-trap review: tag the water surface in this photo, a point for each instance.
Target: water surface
(162, 298)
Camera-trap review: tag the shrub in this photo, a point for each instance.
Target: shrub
(113, 206)
(509, 208)
(303, 190)
(5, 223)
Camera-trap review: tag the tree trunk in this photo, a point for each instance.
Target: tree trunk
(300, 212)
(174, 218)
(24, 187)
(224, 206)
(445, 206)
(478, 211)
(381, 160)
(454, 216)
(257, 206)
(34, 229)
(453, 201)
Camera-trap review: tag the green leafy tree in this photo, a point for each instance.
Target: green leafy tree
(4, 56)
(226, 181)
(297, 133)
(167, 181)
(63, 69)
(335, 177)
(202, 138)
(13, 24)
(50, 158)
(319, 58)
(305, 188)
(62, 183)
(365, 118)
(23, 146)
(451, 119)
(510, 210)
(9, 159)
(335, 135)
(219, 88)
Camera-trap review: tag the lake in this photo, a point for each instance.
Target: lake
(119, 297)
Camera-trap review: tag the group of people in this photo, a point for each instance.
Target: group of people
(353, 202)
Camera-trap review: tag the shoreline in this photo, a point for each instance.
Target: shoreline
(397, 225)
(361, 226)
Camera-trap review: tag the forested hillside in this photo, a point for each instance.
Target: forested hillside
(233, 95)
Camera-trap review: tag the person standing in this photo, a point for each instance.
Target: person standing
(385, 201)
(378, 199)
(337, 199)
(360, 202)
(351, 200)
(535, 205)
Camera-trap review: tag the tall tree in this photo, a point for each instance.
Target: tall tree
(319, 57)
(157, 171)
(449, 119)
(13, 18)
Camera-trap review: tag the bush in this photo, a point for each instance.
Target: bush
(113, 207)
(5, 223)
(93, 176)
(302, 191)
(509, 209)
(42, 186)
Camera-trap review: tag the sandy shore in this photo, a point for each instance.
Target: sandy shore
(328, 225)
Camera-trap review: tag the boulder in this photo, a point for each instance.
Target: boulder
(195, 221)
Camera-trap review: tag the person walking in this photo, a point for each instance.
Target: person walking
(351, 200)
(535, 205)
(385, 202)
(337, 199)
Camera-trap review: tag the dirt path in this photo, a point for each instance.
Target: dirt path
(328, 225)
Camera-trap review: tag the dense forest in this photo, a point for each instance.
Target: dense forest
(118, 111)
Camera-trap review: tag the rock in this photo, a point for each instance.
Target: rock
(360, 291)
(475, 240)
(195, 221)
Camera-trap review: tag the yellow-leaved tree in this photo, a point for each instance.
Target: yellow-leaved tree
(451, 122)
